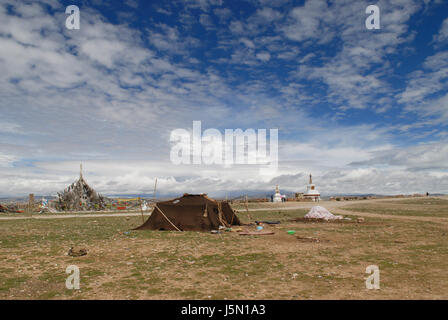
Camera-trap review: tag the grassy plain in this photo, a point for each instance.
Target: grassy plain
(121, 264)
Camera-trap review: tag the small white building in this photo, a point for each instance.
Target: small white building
(277, 196)
(311, 191)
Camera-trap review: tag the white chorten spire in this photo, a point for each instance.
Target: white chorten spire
(311, 191)
(277, 196)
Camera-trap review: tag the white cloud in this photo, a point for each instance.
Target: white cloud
(206, 21)
(309, 21)
(427, 156)
(236, 27)
(6, 160)
(223, 14)
(442, 36)
(10, 127)
(352, 76)
(268, 14)
(204, 5)
(138, 177)
(263, 56)
(132, 3)
(425, 94)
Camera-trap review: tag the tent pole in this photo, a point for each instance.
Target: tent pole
(247, 210)
(155, 189)
(167, 218)
(141, 208)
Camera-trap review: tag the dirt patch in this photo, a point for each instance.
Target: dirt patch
(311, 239)
(353, 221)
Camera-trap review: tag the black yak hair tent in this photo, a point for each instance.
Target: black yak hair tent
(191, 212)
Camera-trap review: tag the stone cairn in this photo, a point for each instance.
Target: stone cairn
(79, 196)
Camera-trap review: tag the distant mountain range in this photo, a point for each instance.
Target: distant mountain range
(252, 194)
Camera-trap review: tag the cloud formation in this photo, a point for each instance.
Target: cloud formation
(364, 111)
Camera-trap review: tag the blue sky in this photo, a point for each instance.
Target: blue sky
(364, 110)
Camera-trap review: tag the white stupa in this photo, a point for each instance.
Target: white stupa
(311, 191)
(277, 195)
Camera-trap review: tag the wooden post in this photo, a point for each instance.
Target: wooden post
(31, 203)
(155, 189)
(141, 208)
(247, 210)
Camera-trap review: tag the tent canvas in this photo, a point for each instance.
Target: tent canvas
(190, 213)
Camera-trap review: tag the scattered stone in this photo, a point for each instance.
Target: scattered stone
(76, 253)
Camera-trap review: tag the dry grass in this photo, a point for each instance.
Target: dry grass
(412, 256)
(424, 207)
